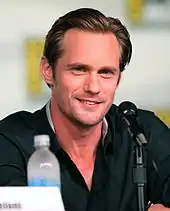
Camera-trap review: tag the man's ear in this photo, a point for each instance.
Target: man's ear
(46, 71)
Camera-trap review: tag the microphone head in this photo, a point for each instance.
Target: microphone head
(127, 108)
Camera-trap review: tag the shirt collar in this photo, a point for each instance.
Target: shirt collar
(48, 113)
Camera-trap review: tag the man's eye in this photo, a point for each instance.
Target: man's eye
(79, 69)
(106, 73)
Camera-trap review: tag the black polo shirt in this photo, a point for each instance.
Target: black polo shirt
(112, 183)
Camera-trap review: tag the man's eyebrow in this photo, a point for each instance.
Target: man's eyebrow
(80, 65)
(111, 68)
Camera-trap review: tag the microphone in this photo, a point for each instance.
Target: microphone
(129, 113)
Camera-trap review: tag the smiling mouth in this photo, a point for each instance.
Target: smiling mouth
(89, 102)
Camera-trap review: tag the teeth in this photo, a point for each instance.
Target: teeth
(88, 102)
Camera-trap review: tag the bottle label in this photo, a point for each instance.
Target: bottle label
(42, 182)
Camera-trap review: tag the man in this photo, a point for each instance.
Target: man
(84, 56)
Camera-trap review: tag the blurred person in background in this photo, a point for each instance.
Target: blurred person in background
(84, 56)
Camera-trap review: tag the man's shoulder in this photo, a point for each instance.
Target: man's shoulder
(144, 115)
(141, 112)
(17, 129)
(147, 119)
(17, 121)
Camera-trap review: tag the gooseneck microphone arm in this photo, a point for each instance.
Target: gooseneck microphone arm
(128, 113)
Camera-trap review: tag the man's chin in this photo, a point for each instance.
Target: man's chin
(88, 122)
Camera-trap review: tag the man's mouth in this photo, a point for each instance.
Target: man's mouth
(89, 102)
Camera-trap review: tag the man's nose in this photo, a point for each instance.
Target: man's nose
(92, 84)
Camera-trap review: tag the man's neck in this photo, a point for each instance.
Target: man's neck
(78, 141)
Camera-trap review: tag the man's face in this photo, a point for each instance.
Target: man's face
(86, 76)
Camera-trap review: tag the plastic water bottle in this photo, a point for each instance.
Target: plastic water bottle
(43, 167)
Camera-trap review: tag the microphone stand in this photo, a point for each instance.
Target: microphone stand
(128, 112)
(139, 171)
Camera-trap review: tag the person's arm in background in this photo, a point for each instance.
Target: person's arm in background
(12, 169)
